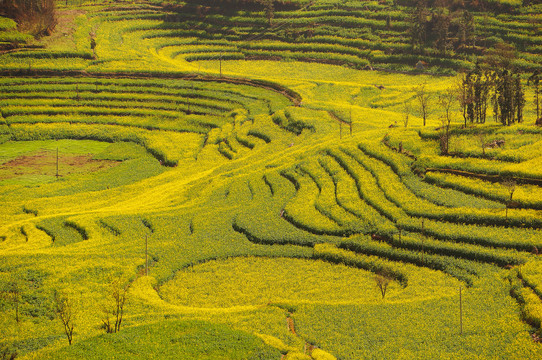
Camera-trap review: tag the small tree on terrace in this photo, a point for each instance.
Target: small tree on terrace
(424, 99)
(382, 281)
(12, 293)
(407, 109)
(269, 8)
(510, 185)
(66, 312)
(446, 101)
(113, 309)
(482, 141)
(534, 80)
(463, 90)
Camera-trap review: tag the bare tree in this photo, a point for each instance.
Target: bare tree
(424, 99)
(510, 185)
(12, 294)
(66, 311)
(114, 306)
(6, 353)
(382, 281)
(482, 142)
(407, 109)
(446, 101)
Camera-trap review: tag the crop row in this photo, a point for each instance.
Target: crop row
(529, 300)
(255, 100)
(454, 267)
(369, 190)
(325, 203)
(192, 123)
(528, 196)
(377, 30)
(262, 220)
(197, 99)
(399, 194)
(402, 165)
(167, 146)
(137, 108)
(378, 265)
(321, 193)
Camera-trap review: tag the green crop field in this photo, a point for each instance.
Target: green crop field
(209, 179)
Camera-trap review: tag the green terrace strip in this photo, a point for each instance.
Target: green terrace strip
(137, 106)
(521, 161)
(373, 34)
(529, 196)
(185, 337)
(451, 266)
(400, 195)
(402, 165)
(485, 235)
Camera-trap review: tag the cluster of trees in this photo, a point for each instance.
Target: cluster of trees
(36, 17)
(501, 88)
(445, 24)
(495, 82)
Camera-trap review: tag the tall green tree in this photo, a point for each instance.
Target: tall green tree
(466, 32)
(269, 8)
(441, 20)
(418, 26)
(510, 98)
(534, 81)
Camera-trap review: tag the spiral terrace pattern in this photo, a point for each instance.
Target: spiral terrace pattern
(292, 182)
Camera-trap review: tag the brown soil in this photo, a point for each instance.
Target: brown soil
(291, 325)
(44, 163)
(64, 29)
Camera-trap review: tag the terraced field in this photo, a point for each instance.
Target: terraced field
(262, 196)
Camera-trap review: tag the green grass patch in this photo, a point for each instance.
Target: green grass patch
(171, 340)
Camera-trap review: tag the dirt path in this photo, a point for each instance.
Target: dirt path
(291, 325)
(44, 163)
(490, 178)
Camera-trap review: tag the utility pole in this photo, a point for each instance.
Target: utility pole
(221, 64)
(350, 120)
(146, 256)
(57, 174)
(423, 241)
(460, 313)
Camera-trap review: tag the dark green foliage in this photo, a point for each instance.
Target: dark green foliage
(509, 98)
(445, 264)
(6, 353)
(62, 232)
